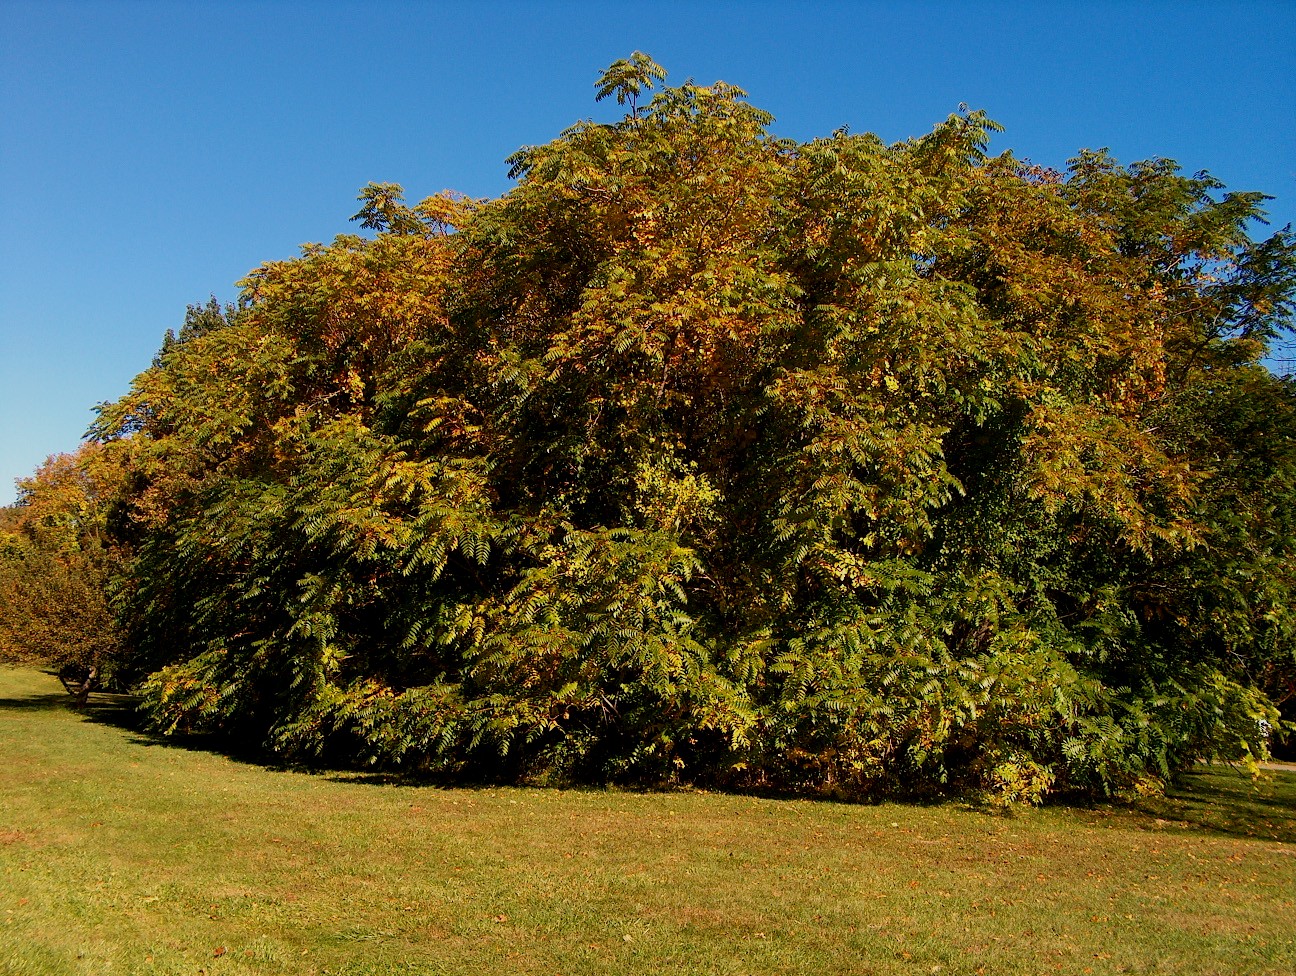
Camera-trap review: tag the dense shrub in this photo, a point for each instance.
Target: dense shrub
(702, 454)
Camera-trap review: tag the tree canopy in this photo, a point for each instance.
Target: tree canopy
(708, 455)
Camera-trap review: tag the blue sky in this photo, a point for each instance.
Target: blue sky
(151, 153)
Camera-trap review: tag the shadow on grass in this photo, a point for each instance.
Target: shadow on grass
(101, 706)
(1220, 800)
(105, 708)
(121, 712)
(36, 703)
(1213, 800)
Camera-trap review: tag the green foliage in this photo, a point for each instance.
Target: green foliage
(707, 455)
(627, 79)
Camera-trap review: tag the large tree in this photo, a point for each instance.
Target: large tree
(837, 465)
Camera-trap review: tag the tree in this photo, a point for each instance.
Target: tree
(836, 466)
(57, 563)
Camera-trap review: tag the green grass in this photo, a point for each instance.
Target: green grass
(122, 855)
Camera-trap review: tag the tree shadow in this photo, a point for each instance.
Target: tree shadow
(1219, 800)
(52, 701)
(1215, 800)
(121, 712)
(100, 706)
(106, 708)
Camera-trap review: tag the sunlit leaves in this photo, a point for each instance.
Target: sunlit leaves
(703, 454)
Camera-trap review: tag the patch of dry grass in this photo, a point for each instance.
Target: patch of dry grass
(119, 855)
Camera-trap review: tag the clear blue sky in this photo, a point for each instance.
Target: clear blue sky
(151, 153)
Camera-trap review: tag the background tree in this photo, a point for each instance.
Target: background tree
(57, 566)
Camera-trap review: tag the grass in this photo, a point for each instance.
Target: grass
(119, 854)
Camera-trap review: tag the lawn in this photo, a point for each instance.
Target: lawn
(119, 854)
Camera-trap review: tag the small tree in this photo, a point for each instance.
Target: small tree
(56, 569)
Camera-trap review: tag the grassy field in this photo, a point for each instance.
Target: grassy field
(122, 855)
